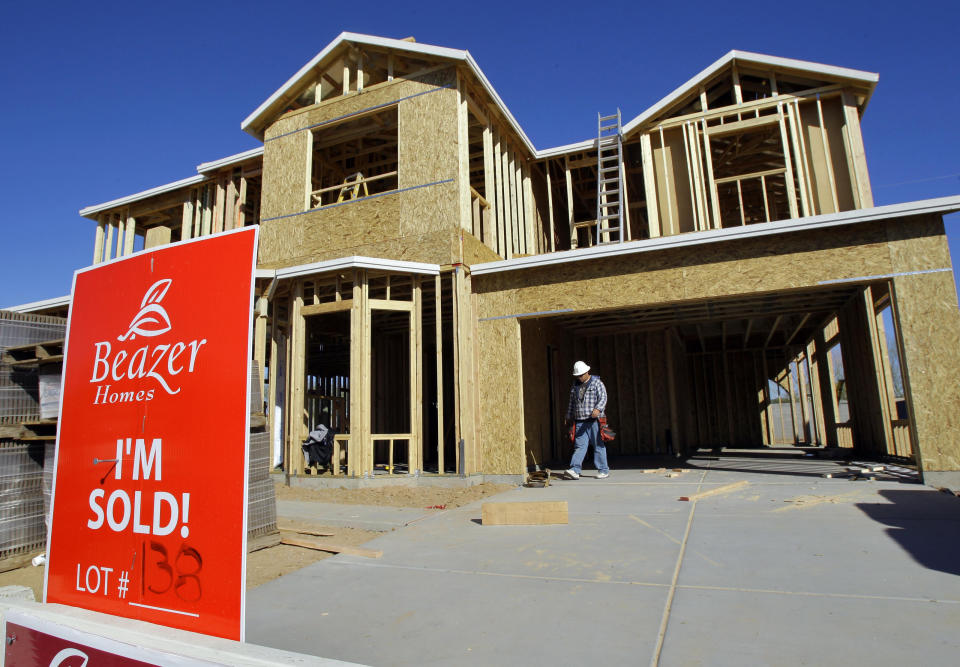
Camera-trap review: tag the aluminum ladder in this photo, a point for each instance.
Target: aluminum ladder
(609, 184)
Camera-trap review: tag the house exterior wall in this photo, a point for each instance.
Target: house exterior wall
(926, 300)
(417, 222)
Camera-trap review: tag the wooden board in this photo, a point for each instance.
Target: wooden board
(726, 488)
(317, 545)
(525, 514)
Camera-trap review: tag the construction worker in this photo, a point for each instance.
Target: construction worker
(588, 400)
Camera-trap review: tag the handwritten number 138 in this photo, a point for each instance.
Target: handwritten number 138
(179, 574)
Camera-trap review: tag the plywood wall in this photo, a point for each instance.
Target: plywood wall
(499, 380)
(926, 304)
(801, 259)
(426, 202)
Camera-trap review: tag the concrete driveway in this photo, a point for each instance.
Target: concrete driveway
(790, 569)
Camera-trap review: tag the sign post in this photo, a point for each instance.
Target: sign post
(150, 486)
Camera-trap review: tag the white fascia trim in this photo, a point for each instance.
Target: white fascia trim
(870, 78)
(926, 206)
(204, 167)
(566, 149)
(55, 302)
(388, 43)
(371, 40)
(146, 194)
(358, 262)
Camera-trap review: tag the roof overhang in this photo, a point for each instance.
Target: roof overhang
(255, 123)
(214, 165)
(940, 205)
(146, 194)
(46, 304)
(353, 262)
(202, 170)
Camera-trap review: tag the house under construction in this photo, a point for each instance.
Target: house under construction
(427, 278)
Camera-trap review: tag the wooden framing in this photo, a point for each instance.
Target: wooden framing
(713, 159)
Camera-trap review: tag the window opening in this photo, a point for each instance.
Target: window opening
(354, 159)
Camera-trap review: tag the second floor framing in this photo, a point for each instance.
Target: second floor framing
(405, 151)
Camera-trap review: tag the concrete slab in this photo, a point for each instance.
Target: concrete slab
(735, 628)
(791, 569)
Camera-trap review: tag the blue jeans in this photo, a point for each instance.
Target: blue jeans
(588, 433)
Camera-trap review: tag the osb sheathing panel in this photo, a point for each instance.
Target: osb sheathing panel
(501, 399)
(391, 223)
(427, 151)
(428, 136)
(918, 244)
(475, 252)
(284, 175)
(433, 248)
(354, 102)
(714, 270)
(930, 328)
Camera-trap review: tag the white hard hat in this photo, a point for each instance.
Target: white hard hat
(580, 368)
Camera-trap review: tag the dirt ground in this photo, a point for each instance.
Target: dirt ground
(272, 562)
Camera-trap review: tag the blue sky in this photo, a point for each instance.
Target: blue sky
(102, 100)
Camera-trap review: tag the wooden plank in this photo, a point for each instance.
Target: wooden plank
(332, 548)
(108, 243)
(650, 186)
(530, 214)
(516, 196)
(219, 206)
(550, 215)
(737, 126)
(98, 243)
(438, 334)
(297, 428)
(828, 158)
(539, 513)
(856, 154)
(500, 218)
(415, 444)
(793, 123)
(260, 341)
(490, 190)
(463, 156)
(129, 236)
(456, 366)
(569, 178)
(230, 205)
(186, 219)
(302, 531)
(726, 488)
(240, 217)
(383, 304)
(711, 181)
(788, 162)
(333, 307)
(273, 386)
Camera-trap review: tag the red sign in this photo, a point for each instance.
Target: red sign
(27, 646)
(149, 504)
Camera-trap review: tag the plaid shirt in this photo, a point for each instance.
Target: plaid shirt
(585, 398)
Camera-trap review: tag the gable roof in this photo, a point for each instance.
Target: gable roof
(255, 123)
(867, 79)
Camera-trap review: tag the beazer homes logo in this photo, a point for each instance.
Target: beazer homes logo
(117, 367)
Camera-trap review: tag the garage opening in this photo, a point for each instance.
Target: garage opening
(807, 368)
